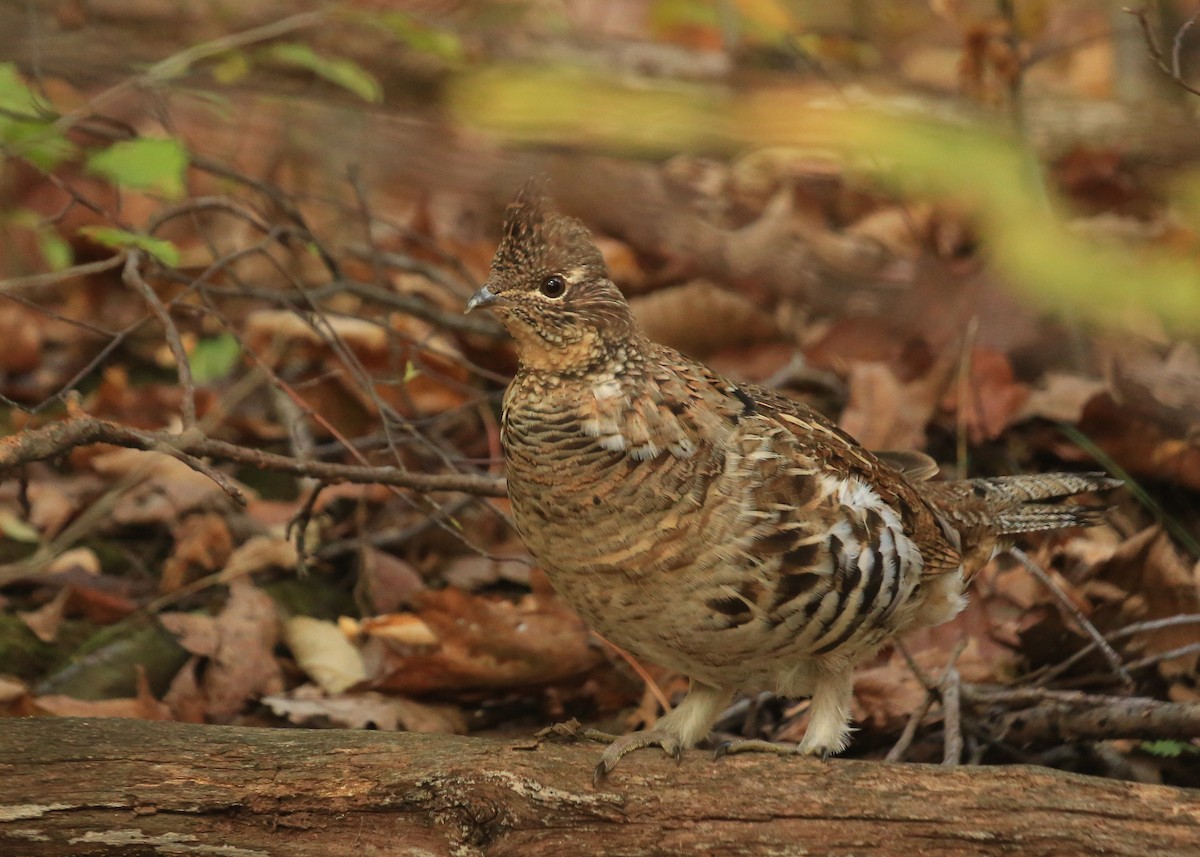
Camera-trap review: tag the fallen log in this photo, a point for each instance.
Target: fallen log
(103, 787)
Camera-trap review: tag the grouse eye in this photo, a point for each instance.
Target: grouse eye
(553, 286)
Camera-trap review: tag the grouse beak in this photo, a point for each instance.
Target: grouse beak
(483, 297)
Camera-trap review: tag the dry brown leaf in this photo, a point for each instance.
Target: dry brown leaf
(369, 710)
(164, 488)
(1160, 583)
(388, 581)
(75, 564)
(258, 553)
(471, 572)
(403, 629)
(50, 508)
(700, 317)
(238, 644)
(45, 620)
(1061, 397)
(21, 336)
(994, 396)
(202, 545)
(485, 643)
(882, 412)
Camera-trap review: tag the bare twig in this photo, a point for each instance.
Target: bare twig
(1110, 655)
(1048, 715)
(1172, 69)
(953, 740)
(54, 439)
(1159, 657)
(180, 62)
(933, 690)
(1119, 634)
(51, 278)
(905, 740)
(133, 277)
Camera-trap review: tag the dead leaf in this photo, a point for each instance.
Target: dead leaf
(485, 643)
(50, 508)
(994, 396)
(403, 629)
(258, 553)
(45, 620)
(163, 487)
(1061, 396)
(700, 317)
(882, 412)
(472, 572)
(369, 710)
(202, 545)
(324, 653)
(1160, 583)
(388, 581)
(238, 645)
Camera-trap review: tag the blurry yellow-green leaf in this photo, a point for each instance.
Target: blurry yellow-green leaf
(54, 249)
(15, 95)
(337, 70)
(214, 357)
(443, 44)
(765, 21)
(668, 15)
(26, 127)
(163, 251)
(231, 69)
(555, 105)
(144, 164)
(17, 529)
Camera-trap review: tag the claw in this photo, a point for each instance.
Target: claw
(600, 773)
(721, 749)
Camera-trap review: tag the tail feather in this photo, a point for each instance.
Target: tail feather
(1008, 505)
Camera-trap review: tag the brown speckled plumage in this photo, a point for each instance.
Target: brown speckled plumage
(721, 529)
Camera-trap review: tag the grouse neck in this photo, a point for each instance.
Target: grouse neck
(591, 356)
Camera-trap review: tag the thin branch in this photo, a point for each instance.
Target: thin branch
(1171, 69)
(132, 276)
(950, 688)
(1119, 634)
(1085, 625)
(180, 62)
(1047, 715)
(54, 439)
(52, 278)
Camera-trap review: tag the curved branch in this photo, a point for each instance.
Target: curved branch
(56, 438)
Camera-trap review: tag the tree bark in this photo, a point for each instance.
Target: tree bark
(102, 787)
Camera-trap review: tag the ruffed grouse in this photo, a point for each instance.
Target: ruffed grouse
(719, 528)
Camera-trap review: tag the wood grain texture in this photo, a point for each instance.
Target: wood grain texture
(103, 787)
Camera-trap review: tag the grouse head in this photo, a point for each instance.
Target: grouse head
(551, 290)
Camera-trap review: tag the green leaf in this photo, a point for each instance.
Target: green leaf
(145, 164)
(55, 250)
(163, 251)
(26, 129)
(1168, 749)
(232, 68)
(214, 357)
(440, 43)
(410, 371)
(15, 95)
(343, 72)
